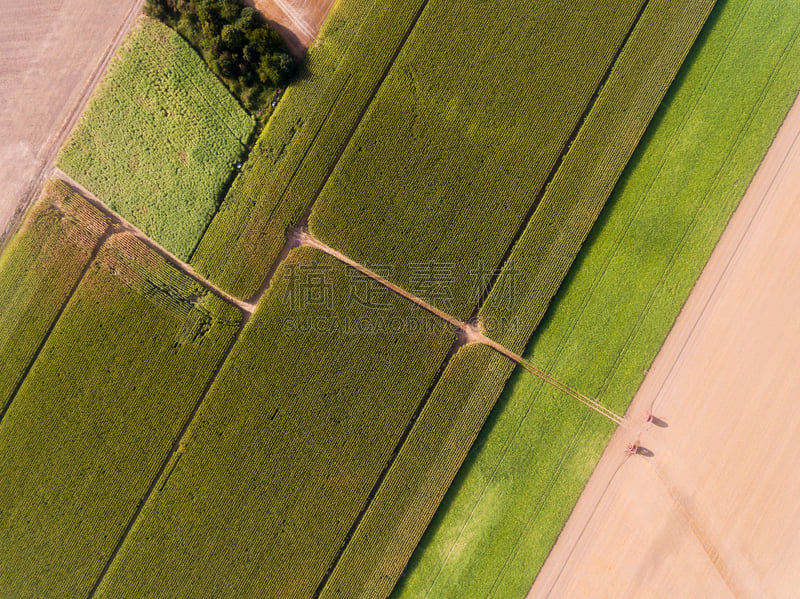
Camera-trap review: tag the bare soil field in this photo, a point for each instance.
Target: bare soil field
(54, 54)
(712, 509)
(298, 21)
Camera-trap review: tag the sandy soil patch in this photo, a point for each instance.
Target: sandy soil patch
(714, 512)
(54, 53)
(298, 21)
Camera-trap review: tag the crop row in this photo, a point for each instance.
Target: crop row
(283, 178)
(455, 148)
(97, 416)
(573, 200)
(413, 488)
(289, 443)
(473, 381)
(507, 507)
(38, 271)
(160, 138)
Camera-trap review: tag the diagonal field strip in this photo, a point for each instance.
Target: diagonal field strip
(100, 243)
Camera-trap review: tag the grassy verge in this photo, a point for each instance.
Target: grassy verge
(98, 414)
(609, 319)
(286, 449)
(160, 138)
(39, 268)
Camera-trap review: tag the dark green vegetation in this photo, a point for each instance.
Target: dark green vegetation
(288, 445)
(38, 271)
(159, 140)
(611, 316)
(311, 126)
(98, 413)
(235, 41)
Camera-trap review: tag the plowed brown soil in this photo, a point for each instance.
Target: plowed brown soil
(714, 512)
(298, 21)
(54, 54)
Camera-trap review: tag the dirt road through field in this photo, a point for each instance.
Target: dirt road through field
(54, 54)
(298, 21)
(715, 511)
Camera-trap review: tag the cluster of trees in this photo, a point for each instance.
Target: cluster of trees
(235, 41)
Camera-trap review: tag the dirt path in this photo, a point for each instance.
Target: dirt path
(298, 21)
(54, 55)
(471, 331)
(123, 225)
(714, 512)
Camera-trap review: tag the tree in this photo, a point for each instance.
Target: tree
(250, 55)
(265, 40)
(227, 65)
(286, 65)
(158, 9)
(233, 38)
(248, 20)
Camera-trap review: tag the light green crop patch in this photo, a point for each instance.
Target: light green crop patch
(160, 139)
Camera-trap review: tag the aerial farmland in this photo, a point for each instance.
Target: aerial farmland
(403, 298)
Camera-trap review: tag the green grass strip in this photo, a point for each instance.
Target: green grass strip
(608, 321)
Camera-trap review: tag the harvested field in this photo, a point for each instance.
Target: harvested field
(715, 508)
(98, 414)
(54, 53)
(159, 140)
(298, 21)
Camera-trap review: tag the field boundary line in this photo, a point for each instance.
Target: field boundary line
(303, 221)
(68, 124)
(176, 262)
(471, 330)
(559, 161)
(173, 451)
(109, 231)
(703, 205)
(585, 526)
(457, 344)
